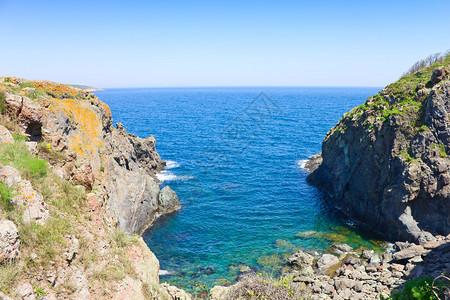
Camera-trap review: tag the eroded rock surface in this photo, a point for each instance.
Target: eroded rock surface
(385, 163)
(77, 123)
(9, 241)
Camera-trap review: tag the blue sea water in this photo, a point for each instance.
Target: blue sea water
(234, 159)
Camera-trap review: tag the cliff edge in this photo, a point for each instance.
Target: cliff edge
(76, 122)
(385, 163)
(71, 186)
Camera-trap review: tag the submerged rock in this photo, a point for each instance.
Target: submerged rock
(283, 245)
(271, 261)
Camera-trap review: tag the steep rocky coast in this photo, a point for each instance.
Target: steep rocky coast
(76, 194)
(385, 163)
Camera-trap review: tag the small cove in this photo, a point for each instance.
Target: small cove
(235, 160)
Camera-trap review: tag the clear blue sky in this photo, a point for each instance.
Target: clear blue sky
(219, 43)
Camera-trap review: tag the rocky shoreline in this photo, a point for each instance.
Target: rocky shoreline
(346, 273)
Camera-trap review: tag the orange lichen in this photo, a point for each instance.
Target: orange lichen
(57, 90)
(80, 112)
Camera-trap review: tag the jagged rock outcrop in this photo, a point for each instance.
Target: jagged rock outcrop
(385, 163)
(9, 241)
(76, 121)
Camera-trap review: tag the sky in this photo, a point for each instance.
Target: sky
(112, 44)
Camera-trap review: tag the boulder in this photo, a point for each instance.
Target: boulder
(5, 136)
(9, 175)
(168, 201)
(325, 262)
(341, 248)
(410, 252)
(25, 292)
(172, 292)
(219, 292)
(9, 241)
(303, 262)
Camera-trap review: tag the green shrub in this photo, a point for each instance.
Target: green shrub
(2, 103)
(426, 288)
(5, 196)
(442, 150)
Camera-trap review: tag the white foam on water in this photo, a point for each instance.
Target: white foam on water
(165, 175)
(171, 164)
(302, 162)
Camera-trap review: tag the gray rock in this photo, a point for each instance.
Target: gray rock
(5, 136)
(303, 262)
(328, 289)
(325, 262)
(344, 283)
(135, 198)
(32, 147)
(342, 248)
(352, 260)
(9, 175)
(410, 252)
(25, 291)
(9, 241)
(367, 254)
(168, 201)
(73, 250)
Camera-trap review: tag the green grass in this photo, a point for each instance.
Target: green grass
(36, 93)
(17, 154)
(26, 85)
(19, 138)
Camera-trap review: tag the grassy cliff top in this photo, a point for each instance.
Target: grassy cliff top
(404, 98)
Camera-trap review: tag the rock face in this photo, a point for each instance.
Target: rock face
(385, 163)
(76, 121)
(9, 241)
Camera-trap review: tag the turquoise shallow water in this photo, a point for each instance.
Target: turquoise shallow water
(234, 158)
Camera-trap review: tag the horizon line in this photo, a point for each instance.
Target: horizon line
(240, 86)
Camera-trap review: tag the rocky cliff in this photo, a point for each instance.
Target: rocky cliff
(385, 163)
(71, 186)
(75, 121)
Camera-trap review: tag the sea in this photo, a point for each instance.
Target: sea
(235, 158)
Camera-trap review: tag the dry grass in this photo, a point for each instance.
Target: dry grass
(259, 286)
(9, 274)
